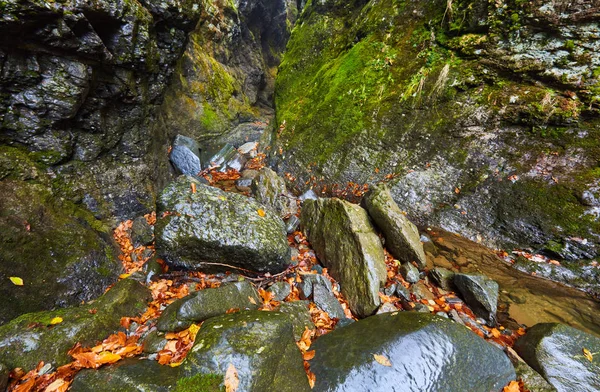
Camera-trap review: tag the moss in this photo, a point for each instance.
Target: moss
(200, 383)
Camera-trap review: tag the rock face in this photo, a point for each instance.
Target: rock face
(556, 352)
(260, 345)
(480, 293)
(401, 236)
(207, 303)
(485, 115)
(347, 244)
(127, 375)
(223, 85)
(427, 353)
(211, 226)
(29, 339)
(62, 253)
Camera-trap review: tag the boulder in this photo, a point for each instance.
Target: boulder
(269, 189)
(4, 376)
(347, 244)
(409, 272)
(208, 303)
(299, 316)
(127, 375)
(280, 290)
(408, 351)
(558, 353)
(531, 379)
(480, 293)
(260, 345)
(402, 238)
(185, 156)
(209, 228)
(31, 338)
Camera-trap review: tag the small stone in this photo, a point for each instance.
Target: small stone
(308, 195)
(421, 308)
(409, 272)
(185, 156)
(402, 293)
(421, 291)
(308, 281)
(454, 316)
(386, 308)
(154, 342)
(326, 301)
(280, 290)
(390, 290)
(292, 224)
(442, 314)
(443, 278)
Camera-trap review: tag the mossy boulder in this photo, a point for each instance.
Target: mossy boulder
(424, 352)
(209, 228)
(128, 375)
(208, 303)
(401, 236)
(269, 189)
(558, 353)
(63, 254)
(260, 345)
(445, 102)
(31, 338)
(346, 243)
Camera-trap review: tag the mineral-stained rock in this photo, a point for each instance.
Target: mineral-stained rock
(347, 244)
(214, 230)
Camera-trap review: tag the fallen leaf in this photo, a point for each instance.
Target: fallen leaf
(16, 280)
(107, 357)
(58, 385)
(512, 387)
(124, 276)
(496, 333)
(231, 381)
(86, 360)
(193, 187)
(252, 300)
(261, 212)
(56, 320)
(309, 355)
(311, 378)
(588, 355)
(382, 360)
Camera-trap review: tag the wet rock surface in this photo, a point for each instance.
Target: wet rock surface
(556, 352)
(346, 243)
(207, 303)
(426, 352)
(401, 236)
(480, 293)
(212, 226)
(30, 338)
(259, 344)
(269, 189)
(185, 156)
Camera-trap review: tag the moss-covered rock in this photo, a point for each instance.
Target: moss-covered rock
(211, 226)
(347, 244)
(63, 254)
(550, 348)
(32, 338)
(479, 136)
(425, 352)
(260, 345)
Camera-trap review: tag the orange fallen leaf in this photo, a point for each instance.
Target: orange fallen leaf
(309, 355)
(382, 360)
(496, 333)
(107, 357)
(588, 355)
(231, 381)
(261, 212)
(512, 387)
(193, 187)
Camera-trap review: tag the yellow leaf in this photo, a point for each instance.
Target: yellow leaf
(261, 212)
(231, 381)
(16, 280)
(107, 357)
(588, 354)
(124, 276)
(175, 364)
(512, 387)
(194, 328)
(252, 300)
(56, 320)
(382, 360)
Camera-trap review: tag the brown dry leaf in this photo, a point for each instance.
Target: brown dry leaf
(496, 333)
(512, 387)
(309, 355)
(193, 187)
(231, 381)
(26, 386)
(311, 378)
(382, 360)
(86, 360)
(588, 355)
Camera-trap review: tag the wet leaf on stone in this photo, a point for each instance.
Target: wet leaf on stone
(261, 212)
(16, 280)
(231, 381)
(56, 320)
(512, 387)
(588, 355)
(382, 360)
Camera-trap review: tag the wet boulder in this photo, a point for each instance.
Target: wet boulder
(185, 156)
(208, 229)
(127, 375)
(260, 345)
(299, 316)
(142, 233)
(31, 338)
(269, 189)
(409, 272)
(566, 357)
(207, 303)
(401, 235)
(347, 244)
(408, 351)
(480, 293)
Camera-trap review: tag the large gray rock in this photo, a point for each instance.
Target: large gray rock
(269, 189)
(480, 293)
(260, 345)
(208, 303)
(30, 338)
(425, 353)
(128, 375)
(209, 228)
(347, 244)
(402, 238)
(556, 351)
